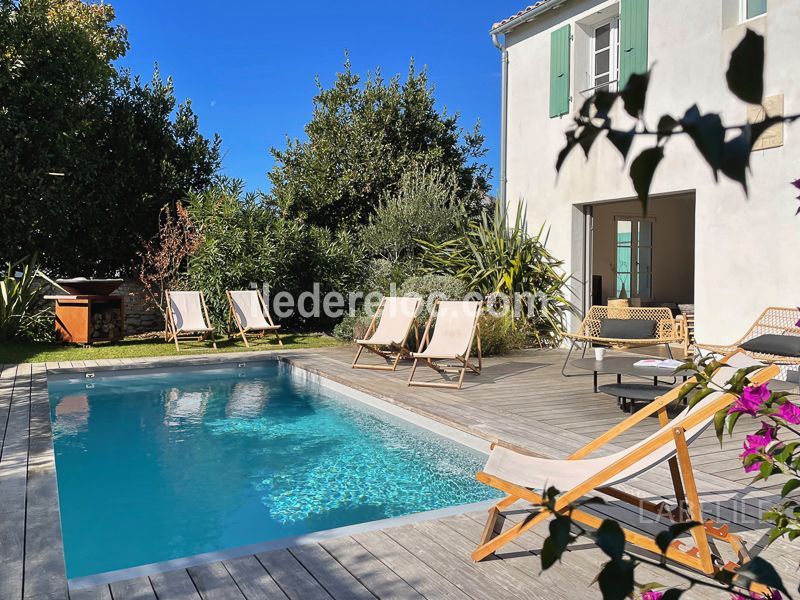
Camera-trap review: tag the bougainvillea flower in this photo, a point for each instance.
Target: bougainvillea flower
(755, 444)
(790, 413)
(753, 396)
(652, 595)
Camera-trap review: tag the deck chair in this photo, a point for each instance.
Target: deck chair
(775, 320)
(624, 327)
(523, 477)
(247, 310)
(387, 334)
(456, 328)
(187, 318)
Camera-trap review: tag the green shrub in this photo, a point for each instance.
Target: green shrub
(24, 314)
(352, 327)
(494, 255)
(503, 334)
(444, 287)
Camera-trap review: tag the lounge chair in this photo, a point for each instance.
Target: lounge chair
(187, 318)
(774, 338)
(456, 328)
(247, 309)
(387, 334)
(523, 476)
(625, 327)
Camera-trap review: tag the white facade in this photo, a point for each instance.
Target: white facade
(746, 250)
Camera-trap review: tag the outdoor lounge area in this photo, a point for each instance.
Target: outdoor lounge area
(410, 558)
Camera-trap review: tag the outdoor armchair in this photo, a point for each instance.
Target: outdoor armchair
(388, 331)
(187, 318)
(248, 311)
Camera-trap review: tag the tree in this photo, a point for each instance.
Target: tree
(119, 147)
(361, 139)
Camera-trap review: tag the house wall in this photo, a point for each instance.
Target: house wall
(673, 245)
(746, 249)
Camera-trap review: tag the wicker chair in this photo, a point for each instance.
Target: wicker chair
(775, 320)
(667, 331)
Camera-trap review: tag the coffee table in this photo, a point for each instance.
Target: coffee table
(628, 393)
(623, 365)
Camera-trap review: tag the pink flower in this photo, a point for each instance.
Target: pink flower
(652, 595)
(753, 396)
(755, 444)
(773, 595)
(790, 413)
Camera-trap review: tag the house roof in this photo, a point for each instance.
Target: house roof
(518, 18)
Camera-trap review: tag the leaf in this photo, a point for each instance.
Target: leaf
(587, 137)
(708, 135)
(616, 579)
(666, 537)
(666, 125)
(756, 130)
(745, 73)
(642, 170)
(759, 570)
(603, 102)
(736, 159)
(555, 545)
(622, 140)
(635, 94)
(789, 487)
(672, 594)
(719, 423)
(610, 539)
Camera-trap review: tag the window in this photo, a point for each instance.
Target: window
(634, 258)
(753, 8)
(604, 59)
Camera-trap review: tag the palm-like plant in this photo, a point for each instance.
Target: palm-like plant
(22, 313)
(494, 255)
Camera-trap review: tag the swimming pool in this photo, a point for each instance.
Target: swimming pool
(157, 465)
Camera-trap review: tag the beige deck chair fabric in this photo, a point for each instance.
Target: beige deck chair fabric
(452, 334)
(395, 318)
(247, 306)
(187, 312)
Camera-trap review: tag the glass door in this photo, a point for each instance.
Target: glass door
(633, 267)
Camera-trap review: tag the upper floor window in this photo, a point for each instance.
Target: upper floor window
(604, 60)
(751, 9)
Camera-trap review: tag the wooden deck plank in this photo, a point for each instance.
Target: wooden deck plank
(291, 576)
(336, 580)
(253, 580)
(100, 592)
(133, 589)
(214, 582)
(175, 585)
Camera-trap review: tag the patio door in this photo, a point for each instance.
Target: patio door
(633, 265)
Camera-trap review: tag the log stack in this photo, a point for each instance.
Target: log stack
(106, 325)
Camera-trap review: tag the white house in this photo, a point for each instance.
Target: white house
(701, 242)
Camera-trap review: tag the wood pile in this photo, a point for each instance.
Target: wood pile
(106, 324)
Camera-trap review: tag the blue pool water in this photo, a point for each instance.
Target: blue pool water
(162, 465)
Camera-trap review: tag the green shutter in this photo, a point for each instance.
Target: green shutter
(559, 71)
(633, 39)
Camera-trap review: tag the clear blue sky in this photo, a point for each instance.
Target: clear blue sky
(249, 66)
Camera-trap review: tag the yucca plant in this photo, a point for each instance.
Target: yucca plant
(22, 313)
(494, 255)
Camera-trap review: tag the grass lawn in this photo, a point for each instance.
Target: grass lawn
(22, 352)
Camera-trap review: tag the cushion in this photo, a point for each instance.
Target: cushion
(771, 343)
(628, 329)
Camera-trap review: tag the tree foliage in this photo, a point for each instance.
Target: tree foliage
(362, 138)
(123, 146)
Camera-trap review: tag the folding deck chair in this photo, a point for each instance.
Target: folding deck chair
(187, 318)
(524, 477)
(247, 309)
(456, 328)
(387, 334)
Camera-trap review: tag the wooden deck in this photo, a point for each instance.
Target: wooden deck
(521, 399)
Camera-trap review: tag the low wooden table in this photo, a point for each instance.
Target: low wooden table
(628, 393)
(623, 365)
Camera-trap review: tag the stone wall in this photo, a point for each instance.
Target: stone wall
(141, 316)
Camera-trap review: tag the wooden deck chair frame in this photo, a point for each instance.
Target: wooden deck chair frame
(775, 319)
(171, 333)
(699, 557)
(232, 316)
(394, 355)
(464, 360)
(668, 330)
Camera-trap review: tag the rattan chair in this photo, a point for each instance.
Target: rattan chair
(774, 320)
(666, 330)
